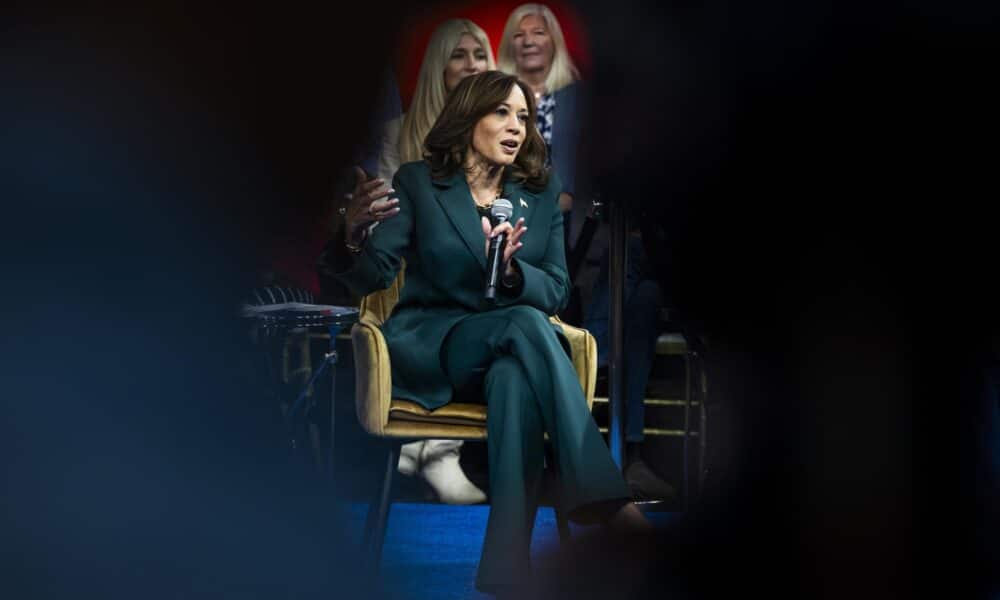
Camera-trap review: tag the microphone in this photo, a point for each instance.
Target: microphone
(500, 212)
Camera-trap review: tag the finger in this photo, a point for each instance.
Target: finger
(511, 250)
(383, 205)
(359, 176)
(487, 228)
(515, 236)
(516, 231)
(372, 185)
(368, 203)
(362, 216)
(387, 204)
(392, 212)
(501, 228)
(379, 194)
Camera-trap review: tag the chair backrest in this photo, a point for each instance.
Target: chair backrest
(377, 306)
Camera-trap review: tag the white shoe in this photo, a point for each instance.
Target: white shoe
(409, 458)
(439, 466)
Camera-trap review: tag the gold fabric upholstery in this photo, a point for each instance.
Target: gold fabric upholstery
(382, 415)
(455, 413)
(433, 431)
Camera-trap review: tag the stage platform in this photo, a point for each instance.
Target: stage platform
(431, 550)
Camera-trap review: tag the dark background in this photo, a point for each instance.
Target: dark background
(824, 175)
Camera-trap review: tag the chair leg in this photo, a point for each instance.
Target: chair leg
(378, 512)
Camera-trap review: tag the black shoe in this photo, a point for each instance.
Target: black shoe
(647, 485)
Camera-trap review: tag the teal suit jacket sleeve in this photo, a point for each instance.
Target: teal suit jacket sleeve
(546, 286)
(376, 266)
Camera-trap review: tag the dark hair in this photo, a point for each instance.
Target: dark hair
(474, 97)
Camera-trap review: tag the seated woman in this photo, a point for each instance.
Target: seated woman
(457, 48)
(446, 342)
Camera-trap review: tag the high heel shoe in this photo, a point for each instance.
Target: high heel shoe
(629, 520)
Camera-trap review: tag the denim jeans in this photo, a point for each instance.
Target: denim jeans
(643, 301)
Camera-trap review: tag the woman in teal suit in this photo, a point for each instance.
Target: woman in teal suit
(445, 341)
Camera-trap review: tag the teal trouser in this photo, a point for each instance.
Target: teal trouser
(514, 359)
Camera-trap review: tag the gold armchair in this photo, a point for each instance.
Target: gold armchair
(399, 421)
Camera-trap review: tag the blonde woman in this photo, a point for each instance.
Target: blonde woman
(457, 48)
(533, 48)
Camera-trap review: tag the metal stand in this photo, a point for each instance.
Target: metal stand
(329, 362)
(331, 359)
(296, 322)
(618, 256)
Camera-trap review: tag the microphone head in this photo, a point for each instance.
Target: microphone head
(501, 211)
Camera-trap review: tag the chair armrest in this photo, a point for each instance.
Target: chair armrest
(373, 371)
(372, 376)
(583, 347)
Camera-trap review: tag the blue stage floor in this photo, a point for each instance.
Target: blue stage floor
(431, 550)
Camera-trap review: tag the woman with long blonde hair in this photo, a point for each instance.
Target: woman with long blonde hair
(457, 48)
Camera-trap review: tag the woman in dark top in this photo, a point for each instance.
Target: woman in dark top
(446, 341)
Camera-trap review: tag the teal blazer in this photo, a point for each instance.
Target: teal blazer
(439, 234)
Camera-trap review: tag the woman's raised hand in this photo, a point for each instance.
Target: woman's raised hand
(368, 203)
(514, 242)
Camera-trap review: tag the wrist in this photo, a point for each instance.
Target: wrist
(511, 277)
(355, 239)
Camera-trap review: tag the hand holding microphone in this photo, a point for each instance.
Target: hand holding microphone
(502, 241)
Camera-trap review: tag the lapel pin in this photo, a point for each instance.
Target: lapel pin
(523, 203)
